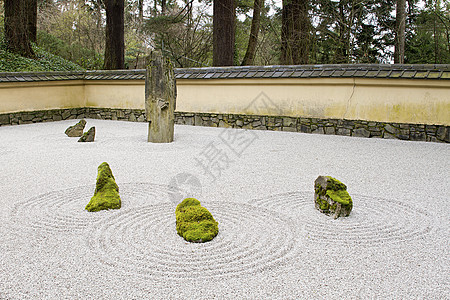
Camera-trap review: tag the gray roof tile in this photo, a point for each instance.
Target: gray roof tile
(421, 74)
(384, 73)
(434, 74)
(349, 73)
(268, 74)
(326, 73)
(242, 74)
(250, 74)
(360, 73)
(306, 73)
(287, 74)
(409, 74)
(260, 74)
(224, 75)
(297, 74)
(338, 73)
(445, 75)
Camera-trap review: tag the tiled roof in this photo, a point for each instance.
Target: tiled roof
(320, 71)
(301, 71)
(87, 75)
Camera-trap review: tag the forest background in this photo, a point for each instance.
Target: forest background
(198, 33)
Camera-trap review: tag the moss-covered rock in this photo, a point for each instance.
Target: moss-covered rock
(194, 222)
(331, 197)
(106, 195)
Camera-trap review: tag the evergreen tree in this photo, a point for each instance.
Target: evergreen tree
(115, 44)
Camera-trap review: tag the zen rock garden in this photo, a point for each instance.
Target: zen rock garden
(194, 222)
(331, 197)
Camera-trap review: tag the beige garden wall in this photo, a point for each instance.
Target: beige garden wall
(39, 95)
(383, 100)
(115, 94)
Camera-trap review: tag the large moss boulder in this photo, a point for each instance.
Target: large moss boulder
(194, 222)
(106, 195)
(331, 197)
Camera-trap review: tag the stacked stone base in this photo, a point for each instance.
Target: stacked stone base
(355, 128)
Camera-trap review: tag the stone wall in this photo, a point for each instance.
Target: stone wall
(19, 118)
(356, 128)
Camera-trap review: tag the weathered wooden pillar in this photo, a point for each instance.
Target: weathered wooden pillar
(160, 99)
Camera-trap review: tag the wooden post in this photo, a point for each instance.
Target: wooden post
(160, 99)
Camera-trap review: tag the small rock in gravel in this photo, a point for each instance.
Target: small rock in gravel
(76, 130)
(88, 136)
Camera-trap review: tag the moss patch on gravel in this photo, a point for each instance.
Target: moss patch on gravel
(106, 195)
(194, 222)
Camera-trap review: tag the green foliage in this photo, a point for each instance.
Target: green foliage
(430, 41)
(194, 222)
(45, 61)
(75, 52)
(106, 195)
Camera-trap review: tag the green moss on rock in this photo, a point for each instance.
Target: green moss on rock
(335, 185)
(106, 195)
(341, 196)
(331, 197)
(194, 222)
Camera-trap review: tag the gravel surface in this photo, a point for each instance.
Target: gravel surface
(272, 243)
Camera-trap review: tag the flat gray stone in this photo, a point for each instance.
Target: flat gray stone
(4, 119)
(361, 132)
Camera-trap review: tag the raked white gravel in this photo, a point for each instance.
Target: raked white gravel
(272, 243)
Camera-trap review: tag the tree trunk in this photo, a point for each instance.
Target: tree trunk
(115, 44)
(399, 52)
(163, 7)
(295, 32)
(253, 39)
(223, 32)
(140, 12)
(32, 19)
(16, 28)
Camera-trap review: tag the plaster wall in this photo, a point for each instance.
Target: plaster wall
(31, 96)
(125, 94)
(382, 100)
